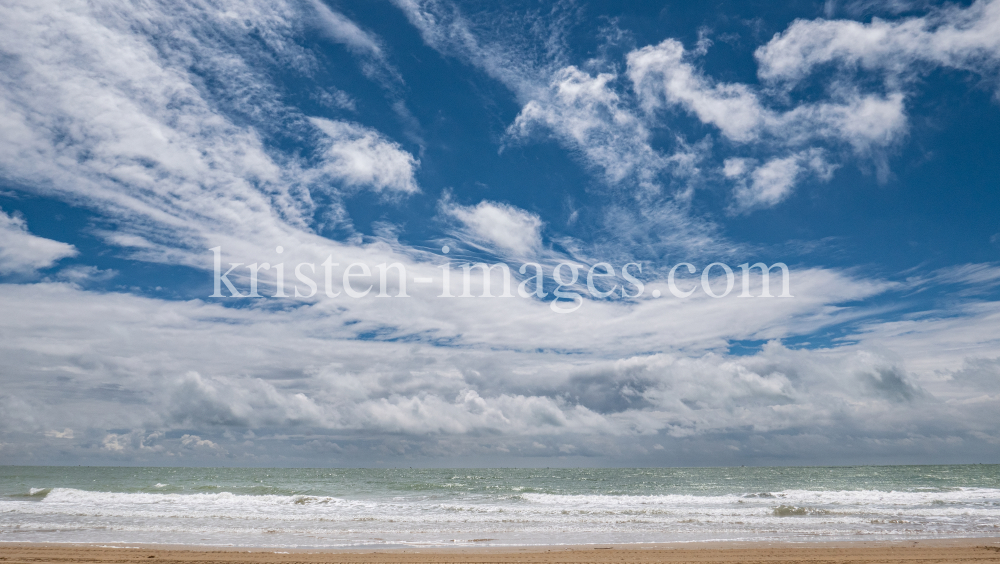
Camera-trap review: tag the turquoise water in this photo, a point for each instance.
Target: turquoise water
(383, 507)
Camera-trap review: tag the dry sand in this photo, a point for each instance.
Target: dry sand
(909, 552)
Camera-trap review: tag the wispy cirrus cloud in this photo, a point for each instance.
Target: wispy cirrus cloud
(584, 112)
(100, 110)
(341, 29)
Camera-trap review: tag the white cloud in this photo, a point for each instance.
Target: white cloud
(359, 156)
(935, 342)
(135, 441)
(367, 46)
(66, 433)
(194, 442)
(334, 98)
(583, 112)
(735, 167)
(244, 402)
(345, 31)
(661, 75)
(497, 227)
(492, 43)
(24, 253)
(664, 76)
(300, 374)
(113, 443)
(581, 109)
(951, 36)
(96, 112)
(773, 181)
(770, 183)
(974, 279)
(304, 371)
(79, 274)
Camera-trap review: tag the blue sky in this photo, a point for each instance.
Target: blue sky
(853, 141)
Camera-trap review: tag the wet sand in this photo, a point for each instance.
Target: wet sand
(910, 552)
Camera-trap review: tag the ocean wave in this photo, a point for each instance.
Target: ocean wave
(782, 513)
(366, 507)
(86, 497)
(957, 496)
(790, 510)
(961, 500)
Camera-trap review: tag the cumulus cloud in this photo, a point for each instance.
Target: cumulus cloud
(584, 108)
(587, 112)
(134, 441)
(24, 253)
(195, 401)
(850, 391)
(359, 156)
(580, 109)
(496, 226)
(194, 442)
(773, 181)
(951, 36)
(770, 183)
(664, 76)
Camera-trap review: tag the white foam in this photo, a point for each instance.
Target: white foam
(302, 520)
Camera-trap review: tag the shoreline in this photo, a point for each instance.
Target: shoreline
(972, 549)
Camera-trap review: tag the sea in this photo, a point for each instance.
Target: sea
(397, 508)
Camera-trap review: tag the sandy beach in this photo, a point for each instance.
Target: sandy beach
(951, 550)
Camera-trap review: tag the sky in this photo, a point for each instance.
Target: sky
(854, 141)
